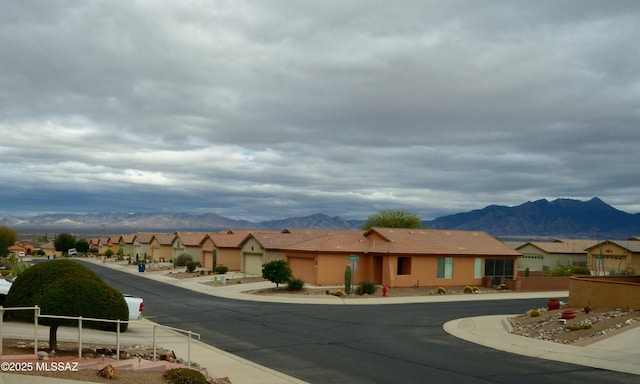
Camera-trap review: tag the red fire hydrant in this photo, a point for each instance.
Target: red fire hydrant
(384, 291)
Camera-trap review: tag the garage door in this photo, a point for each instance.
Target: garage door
(303, 268)
(253, 264)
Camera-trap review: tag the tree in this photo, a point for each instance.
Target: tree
(66, 288)
(277, 271)
(82, 246)
(64, 241)
(8, 237)
(393, 218)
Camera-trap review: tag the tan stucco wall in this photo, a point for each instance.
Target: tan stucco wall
(605, 292)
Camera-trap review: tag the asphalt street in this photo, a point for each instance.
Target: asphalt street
(397, 343)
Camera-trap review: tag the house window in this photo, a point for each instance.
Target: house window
(478, 268)
(445, 268)
(404, 266)
(498, 268)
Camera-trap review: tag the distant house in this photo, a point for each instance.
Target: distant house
(549, 255)
(126, 244)
(141, 246)
(161, 247)
(21, 247)
(614, 257)
(398, 257)
(223, 248)
(189, 243)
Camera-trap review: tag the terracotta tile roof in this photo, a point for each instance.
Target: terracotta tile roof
(282, 239)
(332, 241)
(191, 239)
(128, 239)
(230, 239)
(144, 237)
(433, 242)
(630, 245)
(570, 246)
(164, 238)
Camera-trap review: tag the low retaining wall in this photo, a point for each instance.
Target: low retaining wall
(537, 284)
(605, 292)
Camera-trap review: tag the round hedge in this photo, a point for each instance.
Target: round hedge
(67, 288)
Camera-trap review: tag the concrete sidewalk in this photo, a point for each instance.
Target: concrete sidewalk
(616, 353)
(217, 362)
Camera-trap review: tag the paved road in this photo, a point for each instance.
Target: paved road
(353, 344)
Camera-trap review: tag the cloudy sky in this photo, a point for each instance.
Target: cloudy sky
(271, 109)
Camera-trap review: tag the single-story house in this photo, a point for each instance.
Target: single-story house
(614, 257)
(189, 243)
(260, 247)
(223, 248)
(398, 257)
(141, 246)
(549, 255)
(161, 246)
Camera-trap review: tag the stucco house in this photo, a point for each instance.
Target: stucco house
(223, 248)
(189, 243)
(141, 246)
(397, 257)
(126, 244)
(614, 257)
(260, 247)
(549, 255)
(161, 246)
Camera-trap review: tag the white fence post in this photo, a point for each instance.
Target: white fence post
(80, 337)
(35, 329)
(118, 340)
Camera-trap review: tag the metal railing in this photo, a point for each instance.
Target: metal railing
(81, 319)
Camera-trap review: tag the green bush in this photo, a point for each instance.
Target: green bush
(366, 288)
(468, 289)
(576, 327)
(569, 270)
(534, 313)
(65, 287)
(276, 271)
(339, 293)
(184, 376)
(181, 260)
(441, 291)
(221, 269)
(191, 265)
(295, 284)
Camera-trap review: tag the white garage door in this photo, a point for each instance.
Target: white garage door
(253, 264)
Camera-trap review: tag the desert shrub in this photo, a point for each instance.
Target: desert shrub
(569, 270)
(468, 289)
(191, 266)
(534, 313)
(580, 270)
(221, 269)
(339, 293)
(441, 290)
(295, 284)
(181, 260)
(576, 327)
(366, 288)
(184, 376)
(476, 289)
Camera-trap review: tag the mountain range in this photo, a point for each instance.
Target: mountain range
(560, 218)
